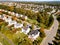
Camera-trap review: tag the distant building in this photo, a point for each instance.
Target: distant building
(17, 15)
(1, 16)
(49, 13)
(0, 9)
(24, 17)
(21, 15)
(9, 12)
(53, 11)
(8, 19)
(5, 11)
(12, 13)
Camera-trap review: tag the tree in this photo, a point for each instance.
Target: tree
(51, 19)
(42, 34)
(32, 27)
(11, 8)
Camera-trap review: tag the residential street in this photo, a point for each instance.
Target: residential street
(50, 33)
(29, 22)
(9, 41)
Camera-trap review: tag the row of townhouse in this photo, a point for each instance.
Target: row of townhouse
(53, 11)
(14, 14)
(26, 30)
(33, 7)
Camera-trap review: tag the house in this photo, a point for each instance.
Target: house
(8, 19)
(28, 24)
(9, 12)
(25, 30)
(49, 13)
(33, 34)
(53, 11)
(2, 17)
(0, 9)
(5, 11)
(11, 23)
(18, 25)
(25, 17)
(17, 15)
(12, 13)
(21, 15)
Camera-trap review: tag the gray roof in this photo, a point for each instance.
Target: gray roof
(25, 28)
(34, 32)
(18, 24)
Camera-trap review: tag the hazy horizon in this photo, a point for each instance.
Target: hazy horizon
(30, 0)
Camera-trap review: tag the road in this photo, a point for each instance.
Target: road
(50, 34)
(9, 41)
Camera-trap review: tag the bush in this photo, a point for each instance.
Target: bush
(42, 34)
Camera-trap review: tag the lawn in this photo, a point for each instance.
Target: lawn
(3, 41)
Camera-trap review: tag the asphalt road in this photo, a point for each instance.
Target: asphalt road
(50, 34)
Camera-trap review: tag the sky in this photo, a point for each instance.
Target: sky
(29, 0)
